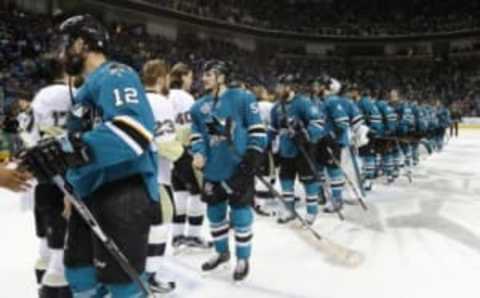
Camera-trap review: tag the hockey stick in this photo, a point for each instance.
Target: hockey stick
(349, 181)
(108, 242)
(347, 256)
(357, 170)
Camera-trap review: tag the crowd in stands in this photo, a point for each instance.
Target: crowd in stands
(22, 73)
(339, 17)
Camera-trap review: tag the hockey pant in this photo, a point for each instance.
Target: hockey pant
(123, 210)
(290, 168)
(189, 209)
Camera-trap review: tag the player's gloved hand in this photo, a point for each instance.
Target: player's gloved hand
(54, 156)
(328, 150)
(300, 135)
(244, 175)
(213, 193)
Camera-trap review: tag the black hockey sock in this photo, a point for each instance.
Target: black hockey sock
(55, 292)
(39, 273)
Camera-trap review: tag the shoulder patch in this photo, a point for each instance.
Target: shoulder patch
(206, 108)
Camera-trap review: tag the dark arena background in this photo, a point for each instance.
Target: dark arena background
(239, 148)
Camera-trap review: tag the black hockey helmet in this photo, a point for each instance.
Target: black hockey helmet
(88, 28)
(93, 33)
(219, 66)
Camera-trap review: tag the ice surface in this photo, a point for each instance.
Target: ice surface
(416, 240)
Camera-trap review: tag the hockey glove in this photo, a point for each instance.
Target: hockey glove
(300, 134)
(328, 150)
(243, 177)
(54, 156)
(213, 193)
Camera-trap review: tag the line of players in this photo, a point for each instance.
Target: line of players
(209, 152)
(373, 128)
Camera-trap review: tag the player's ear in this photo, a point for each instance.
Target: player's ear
(221, 79)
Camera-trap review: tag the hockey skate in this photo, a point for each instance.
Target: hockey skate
(390, 179)
(198, 242)
(368, 185)
(333, 206)
(241, 270)
(310, 219)
(261, 211)
(217, 260)
(160, 287)
(285, 217)
(178, 241)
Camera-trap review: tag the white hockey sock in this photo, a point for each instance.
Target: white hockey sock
(157, 244)
(180, 218)
(55, 275)
(196, 212)
(43, 250)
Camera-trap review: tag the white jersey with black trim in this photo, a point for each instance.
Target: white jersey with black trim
(265, 107)
(164, 114)
(182, 103)
(49, 111)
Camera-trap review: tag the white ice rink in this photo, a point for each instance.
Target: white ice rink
(417, 240)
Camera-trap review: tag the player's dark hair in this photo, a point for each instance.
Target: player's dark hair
(177, 73)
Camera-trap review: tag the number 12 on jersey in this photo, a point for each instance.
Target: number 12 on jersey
(125, 96)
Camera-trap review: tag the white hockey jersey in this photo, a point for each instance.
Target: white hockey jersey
(164, 114)
(265, 107)
(48, 114)
(182, 102)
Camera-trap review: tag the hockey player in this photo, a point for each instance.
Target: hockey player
(49, 110)
(387, 144)
(405, 126)
(265, 106)
(373, 120)
(357, 133)
(444, 121)
(299, 125)
(156, 81)
(118, 181)
(189, 209)
(419, 130)
(348, 102)
(337, 137)
(228, 139)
